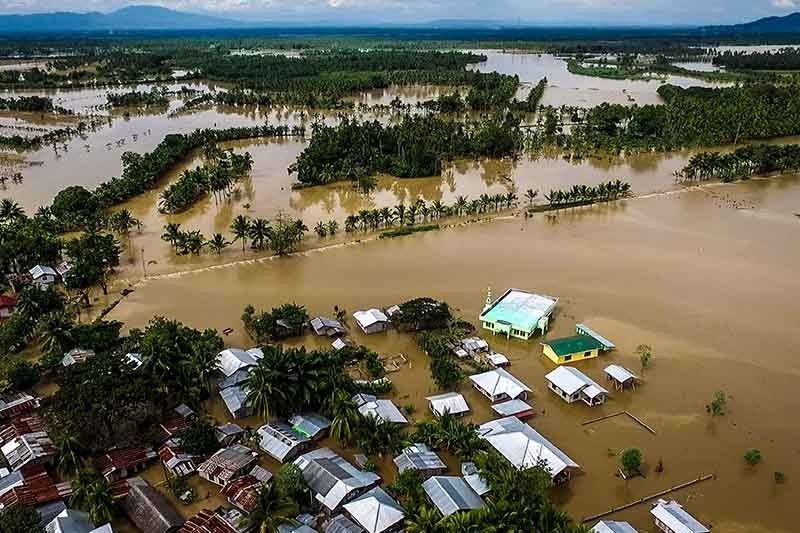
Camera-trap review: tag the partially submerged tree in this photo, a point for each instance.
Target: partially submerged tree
(631, 461)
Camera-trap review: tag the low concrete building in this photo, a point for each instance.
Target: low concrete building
(671, 517)
(227, 464)
(420, 458)
(498, 385)
(524, 447)
(451, 494)
(450, 402)
(571, 349)
(517, 313)
(372, 321)
(333, 480)
(571, 385)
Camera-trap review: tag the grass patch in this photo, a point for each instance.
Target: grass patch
(407, 230)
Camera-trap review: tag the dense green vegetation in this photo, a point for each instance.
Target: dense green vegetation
(31, 104)
(407, 230)
(222, 170)
(587, 194)
(155, 98)
(22, 143)
(784, 59)
(282, 322)
(417, 146)
(742, 163)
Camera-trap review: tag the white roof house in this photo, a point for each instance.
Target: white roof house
(30, 448)
(373, 407)
(498, 384)
(76, 355)
(233, 359)
(376, 511)
(518, 313)
(333, 480)
(671, 517)
(497, 359)
(450, 402)
(516, 408)
(621, 376)
(372, 320)
(570, 384)
(235, 400)
(451, 494)
(281, 442)
(40, 272)
(525, 448)
(421, 458)
(73, 521)
(610, 526)
(474, 478)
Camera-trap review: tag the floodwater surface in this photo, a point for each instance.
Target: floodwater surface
(705, 276)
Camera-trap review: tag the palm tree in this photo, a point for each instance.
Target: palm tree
(55, 331)
(387, 216)
(510, 198)
(218, 243)
(345, 417)
(350, 223)
(333, 227)
(438, 208)
(460, 205)
(172, 232)
(122, 221)
(260, 232)
(273, 509)
(340, 314)
(400, 213)
(90, 493)
(425, 520)
(240, 227)
(69, 454)
(10, 211)
(364, 219)
(321, 228)
(531, 195)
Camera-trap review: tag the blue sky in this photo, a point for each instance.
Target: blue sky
(650, 12)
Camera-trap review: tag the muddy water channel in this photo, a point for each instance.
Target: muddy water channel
(705, 276)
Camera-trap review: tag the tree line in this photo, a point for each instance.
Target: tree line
(742, 163)
(154, 98)
(783, 59)
(32, 104)
(588, 194)
(222, 170)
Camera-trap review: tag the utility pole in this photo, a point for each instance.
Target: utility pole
(144, 265)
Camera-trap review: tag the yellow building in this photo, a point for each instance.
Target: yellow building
(571, 349)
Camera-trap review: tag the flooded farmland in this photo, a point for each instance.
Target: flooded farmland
(703, 276)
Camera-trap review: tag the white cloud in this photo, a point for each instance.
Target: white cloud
(784, 4)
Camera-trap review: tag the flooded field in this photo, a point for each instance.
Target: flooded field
(704, 276)
(565, 88)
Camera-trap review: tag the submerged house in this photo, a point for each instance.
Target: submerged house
(376, 512)
(123, 462)
(451, 494)
(610, 526)
(228, 434)
(516, 408)
(235, 400)
(517, 313)
(671, 517)
(621, 377)
(524, 447)
(312, 425)
(76, 356)
(450, 402)
(219, 521)
(227, 464)
(243, 491)
(15, 404)
(29, 448)
(474, 478)
(382, 410)
(328, 327)
(33, 486)
(372, 321)
(43, 275)
(332, 479)
(498, 385)
(230, 360)
(178, 463)
(571, 385)
(281, 442)
(586, 344)
(148, 509)
(420, 458)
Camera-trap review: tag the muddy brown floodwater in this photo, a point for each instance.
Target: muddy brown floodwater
(706, 276)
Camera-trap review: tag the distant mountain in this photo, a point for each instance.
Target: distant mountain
(787, 24)
(128, 18)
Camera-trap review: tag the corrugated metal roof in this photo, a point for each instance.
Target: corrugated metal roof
(341, 524)
(311, 425)
(225, 463)
(375, 511)
(233, 359)
(519, 308)
(234, 399)
(369, 317)
(418, 457)
(148, 509)
(610, 526)
(620, 373)
(676, 518)
(511, 408)
(474, 479)
(27, 448)
(451, 402)
(384, 410)
(332, 478)
(500, 382)
(573, 344)
(571, 380)
(451, 494)
(280, 441)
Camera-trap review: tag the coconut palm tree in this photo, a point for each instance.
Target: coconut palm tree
(90, 493)
(273, 509)
(531, 195)
(400, 213)
(425, 520)
(461, 205)
(240, 227)
(332, 227)
(510, 198)
(55, 331)
(259, 233)
(387, 217)
(218, 243)
(345, 417)
(10, 211)
(69, 454)
(321, 228)
(172, 232)
(350, 223)
(122, 221)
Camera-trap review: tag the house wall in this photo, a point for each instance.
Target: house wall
(563, 395)
(504, 329)
(662, 526)
(568, 358)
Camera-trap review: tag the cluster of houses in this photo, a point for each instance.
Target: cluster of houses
(41, 276)
(668, 516)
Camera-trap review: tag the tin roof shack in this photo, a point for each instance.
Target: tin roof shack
(376, 512)
(341, 524)
(610, 526)
(177, 422)
(498, 385)
(147, 508)
(32, 486)
(372, 321)
(518, 313)
(421, 458)
(235, 400)
(450, 402)
(621, 377)
(242, 492)
(516, 408)
(312, 425)
(281, 442)
(451, 494)
(333, 480)
(124, 462)
(571, 385)
(43, 276)
(27, 448)
(524, 447)
(233, 359)
(382, 410)
(176, 462)
(16, 404)
(219, 521)
(327, 327)
(76, 356)
(73, 521)
(228, 434)
(671, 517)
(227, 464)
